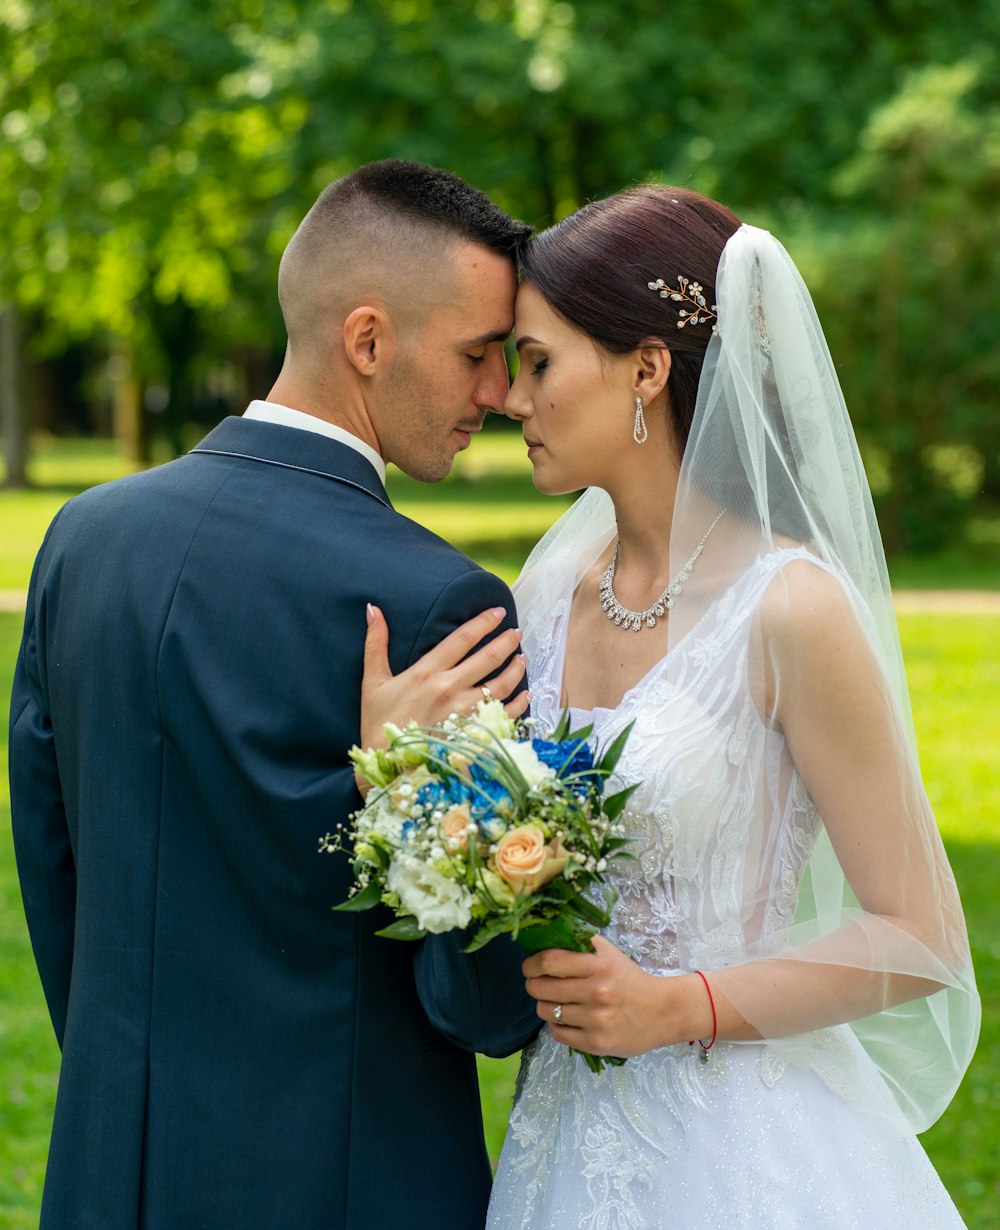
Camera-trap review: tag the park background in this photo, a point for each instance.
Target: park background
(156, 155)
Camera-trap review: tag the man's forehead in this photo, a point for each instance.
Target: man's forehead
(475, 299)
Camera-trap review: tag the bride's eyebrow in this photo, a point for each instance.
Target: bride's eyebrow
(527, 341)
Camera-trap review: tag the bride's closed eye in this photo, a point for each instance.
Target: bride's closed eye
(540, 366)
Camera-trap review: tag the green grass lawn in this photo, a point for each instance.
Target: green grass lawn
(490, 507)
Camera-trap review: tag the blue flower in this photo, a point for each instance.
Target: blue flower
(489, 796)
(440, 795)
(565, 758)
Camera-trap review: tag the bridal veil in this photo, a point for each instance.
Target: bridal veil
(772, 446)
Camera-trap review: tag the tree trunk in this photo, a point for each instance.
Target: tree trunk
(13, 411)
(129, 423)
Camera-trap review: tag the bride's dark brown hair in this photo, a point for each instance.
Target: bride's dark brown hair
(594, 268)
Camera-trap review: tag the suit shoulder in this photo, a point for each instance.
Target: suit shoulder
(416, 540)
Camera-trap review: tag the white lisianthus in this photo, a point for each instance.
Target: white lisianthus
(531, 768)
(438, 903)
(374, 765)
(494, 720)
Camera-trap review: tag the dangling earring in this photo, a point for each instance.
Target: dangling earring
(639, 432)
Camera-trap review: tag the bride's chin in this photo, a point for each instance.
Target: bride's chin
(548, 484)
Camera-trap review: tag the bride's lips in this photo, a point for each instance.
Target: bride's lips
(533, 446)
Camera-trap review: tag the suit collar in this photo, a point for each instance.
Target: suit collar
(274, 444)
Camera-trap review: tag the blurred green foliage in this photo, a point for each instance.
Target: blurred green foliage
(157, 155)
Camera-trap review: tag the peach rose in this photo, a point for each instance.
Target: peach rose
(526, 861)
(455, 828)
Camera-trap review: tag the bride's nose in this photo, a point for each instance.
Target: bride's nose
(517, 406)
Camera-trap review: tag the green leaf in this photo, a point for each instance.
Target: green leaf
(488, 931)
(369, 896)
(562, 729)
(581, 735)
(592, 913)
(614, 804)
(563, 932)
(381, 855)
(613, 754)
(403, 929)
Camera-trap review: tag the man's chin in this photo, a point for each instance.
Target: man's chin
(427, 470)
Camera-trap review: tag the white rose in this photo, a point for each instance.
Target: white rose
(532, 769)
(438, 903)
(494, 720)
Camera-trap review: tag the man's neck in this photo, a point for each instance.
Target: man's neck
(330, 409)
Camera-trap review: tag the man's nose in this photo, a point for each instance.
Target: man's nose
(491, 392)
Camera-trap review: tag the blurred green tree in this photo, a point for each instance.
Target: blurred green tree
(157, 155)
(908, 279)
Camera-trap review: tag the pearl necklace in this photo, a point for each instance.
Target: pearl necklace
(622, 616)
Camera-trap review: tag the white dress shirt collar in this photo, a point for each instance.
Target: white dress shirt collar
(285, 416)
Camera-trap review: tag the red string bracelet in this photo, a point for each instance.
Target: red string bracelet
(707, 1046)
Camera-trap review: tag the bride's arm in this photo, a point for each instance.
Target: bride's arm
(826, 691)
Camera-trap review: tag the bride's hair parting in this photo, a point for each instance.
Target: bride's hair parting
(594, 268)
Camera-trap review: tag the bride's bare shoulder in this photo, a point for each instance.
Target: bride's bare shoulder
(806, 607)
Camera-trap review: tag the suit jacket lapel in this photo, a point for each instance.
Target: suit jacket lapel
(293, 449)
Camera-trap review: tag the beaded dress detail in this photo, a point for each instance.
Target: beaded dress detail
(749, 1139)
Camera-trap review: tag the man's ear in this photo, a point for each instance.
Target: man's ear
(651, 369)
(368, 339)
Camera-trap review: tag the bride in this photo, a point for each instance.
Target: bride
(787, 968)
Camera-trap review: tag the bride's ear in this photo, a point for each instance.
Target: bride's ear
(651, 369)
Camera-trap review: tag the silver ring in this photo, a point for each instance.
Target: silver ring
(557, 1013)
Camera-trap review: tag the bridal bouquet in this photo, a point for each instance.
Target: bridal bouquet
(479, 824)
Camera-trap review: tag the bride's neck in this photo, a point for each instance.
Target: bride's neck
(644, 509)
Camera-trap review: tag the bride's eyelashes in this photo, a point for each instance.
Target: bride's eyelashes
(540, 366)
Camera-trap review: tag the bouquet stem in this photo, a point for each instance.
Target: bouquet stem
(572, 935)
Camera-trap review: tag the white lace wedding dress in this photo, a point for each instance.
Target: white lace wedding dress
(745, 1140)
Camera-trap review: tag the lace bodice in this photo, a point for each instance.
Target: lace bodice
(721, 825)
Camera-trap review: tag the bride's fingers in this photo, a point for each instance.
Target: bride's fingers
(376, 653)
(558, 1015)
(458, 645)
(502, 685)
(519, 705)
(488, 658)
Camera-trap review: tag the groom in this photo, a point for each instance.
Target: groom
(235, 1056)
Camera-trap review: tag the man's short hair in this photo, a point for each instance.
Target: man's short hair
(428, 195)
(389, 226)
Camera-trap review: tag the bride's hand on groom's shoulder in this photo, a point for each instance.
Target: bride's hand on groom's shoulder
(609, 1005)
(450, 678)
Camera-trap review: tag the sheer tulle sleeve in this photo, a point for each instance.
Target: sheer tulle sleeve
(878, 936)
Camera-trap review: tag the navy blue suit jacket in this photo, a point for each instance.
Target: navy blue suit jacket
(236, 1055)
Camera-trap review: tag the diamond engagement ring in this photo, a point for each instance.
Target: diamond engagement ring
(557, 1013)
